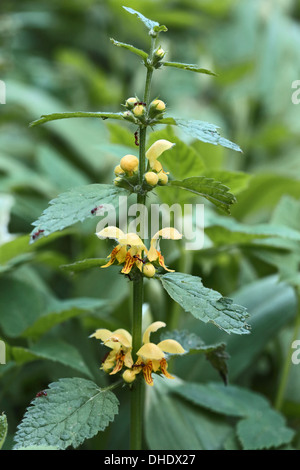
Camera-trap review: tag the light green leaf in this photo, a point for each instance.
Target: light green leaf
(191, 67)
(237, 181)
(73, 410)
(3, 429)
(287, 213)
(201, 130)
(38, 448)
(263, 431)
(76, 205)
(77, 114)
(212, 190)
(84, 264)
(148, 23)
(130, 48)
(205, 304)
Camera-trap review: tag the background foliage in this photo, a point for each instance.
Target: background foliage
(56, 56)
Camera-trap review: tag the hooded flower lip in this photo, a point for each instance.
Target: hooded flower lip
(155, 151)
(120, 341)
(130, 247)
(153, 253)
(121, 253)
(152, 356)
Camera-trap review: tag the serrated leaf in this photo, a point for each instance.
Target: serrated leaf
(75, 206)
(73, 410)
(148, 23)
(77, 114)
(3, 429)
(130, 48)
(264, 431)
(237, 181)
(215, 353)
(205, 304)
(201, 130)
(84, 264)
(38, 448)
(190, 67)
(212, 190)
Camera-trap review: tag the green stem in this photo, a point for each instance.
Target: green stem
(288, 362)
(137, 400)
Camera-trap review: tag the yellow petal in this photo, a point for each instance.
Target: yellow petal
(110, 232)
(157, 149)
(151, 329)
(171, 346)
(117, 338)
(121, 331)
(102, 334)
(169, 233)
(132, 239)
(150, 351)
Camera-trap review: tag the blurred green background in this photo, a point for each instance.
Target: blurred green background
(56, 56)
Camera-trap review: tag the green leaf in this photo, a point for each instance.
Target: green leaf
(263, 431)
(38, 448)
(84, 264)
(201, 130)
(52, 350)
(77, 114)
(205, 304)
(260, 428)
(287, 213)
(191, 67)
(148, 23)
(212, 190)
(192, 344)
(3, 429)
(181, 426)
(73, 410)
(237, 181)
(27, 310)
(76, 205)
(230, 400)
(130, 48)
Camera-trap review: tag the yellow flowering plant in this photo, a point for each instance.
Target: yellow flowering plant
(131, 359)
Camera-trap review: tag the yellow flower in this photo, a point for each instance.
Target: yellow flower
(153, 253)
(155, 152)
(120, 342)
(152, 356)
(121, 253)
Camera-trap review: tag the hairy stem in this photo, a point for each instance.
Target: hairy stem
(137, 401)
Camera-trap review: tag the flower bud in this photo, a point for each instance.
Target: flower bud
(129, 117)
(157, 108)
(163, 178)
(151, 178)
(148, 270)
(129, 376)
(118, 170)
(117, 181)
(129, 163)
(139, 110)
(130, 102)
(159, 53)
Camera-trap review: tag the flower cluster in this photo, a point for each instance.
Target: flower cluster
(137, 112)
(130, 250)
(151, 357)
(155, 175)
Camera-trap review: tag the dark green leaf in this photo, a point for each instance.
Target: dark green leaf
(205, 304)
(76, 205)
(191, 67)
(3, 429)
(212, 190)
(73, 410)
(84, 264)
